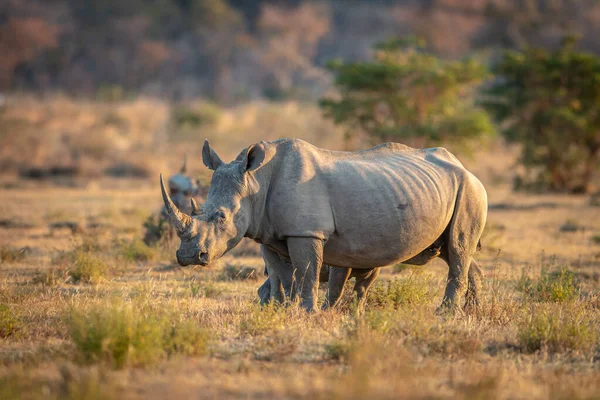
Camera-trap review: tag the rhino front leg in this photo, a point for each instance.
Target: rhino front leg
(337, 282)
(280, 275)
(307, 257)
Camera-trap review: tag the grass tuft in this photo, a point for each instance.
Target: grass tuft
(557, 330)
(414, 289)
(123, 334)
(87, 268)
(259, 320)
(11, 254)
(136, 251)
(9, 323)
(235, 272)
(553, 286)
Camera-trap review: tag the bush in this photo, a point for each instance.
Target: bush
(136, 251)
(128, 334)
(399, 292)
(9, 324)
(157, 230)
(409, 95)
(11, 254)
(260, 320)
(338, 350)
(557, 330)
(556, 286)
(547, 101)
(87, 268)
(51, 277)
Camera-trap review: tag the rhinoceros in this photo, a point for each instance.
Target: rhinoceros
(362, 210)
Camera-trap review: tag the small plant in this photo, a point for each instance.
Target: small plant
(129, 334)
(208, 290)
(9, 324)
(11, 254)
(338, 350)
(260, 320)
(156, 230)
(51, 277)
(571, 226)
(556, 286)
(398, 292)
(596, 239)
(87, 268)
(136, 251)
(400, 267)
(557, 330)
(233, 272)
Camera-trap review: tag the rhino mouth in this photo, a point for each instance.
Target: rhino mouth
(200, 258)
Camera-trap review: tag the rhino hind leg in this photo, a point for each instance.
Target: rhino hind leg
(474, 289)
(463, 236)
(363, 283)
(335, 288)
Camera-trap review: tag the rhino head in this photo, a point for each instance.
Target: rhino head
(222, 221)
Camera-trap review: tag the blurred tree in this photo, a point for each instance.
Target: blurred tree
(549, 101)
(409, 95)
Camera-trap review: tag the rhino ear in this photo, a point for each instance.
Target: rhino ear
(254, 158)
(210, 158)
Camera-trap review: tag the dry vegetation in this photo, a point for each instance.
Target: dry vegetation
(92, 312)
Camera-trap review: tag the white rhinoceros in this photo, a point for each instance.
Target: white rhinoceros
(360, 210)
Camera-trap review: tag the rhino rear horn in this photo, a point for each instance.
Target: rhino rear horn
(179, 220)
(195, 208)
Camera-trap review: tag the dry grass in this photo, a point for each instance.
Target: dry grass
(93, 313)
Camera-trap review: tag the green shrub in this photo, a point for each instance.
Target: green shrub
(338, 350)
(11, 254)
(260, 320)
(398, 292)
(156, 230)
(557, 330)
(51, 277)
(128, 334)
(9, 323)
(571, 226)
(556, 286)
(596, 239)
(209, 290)
(87, 268)
(136, 251)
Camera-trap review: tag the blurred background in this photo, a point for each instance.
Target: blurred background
(115, 91)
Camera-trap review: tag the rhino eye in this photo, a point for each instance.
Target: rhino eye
(220, 216)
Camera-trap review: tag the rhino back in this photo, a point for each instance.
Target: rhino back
(373, 207)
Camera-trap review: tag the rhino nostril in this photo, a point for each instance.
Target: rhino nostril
(203, 257)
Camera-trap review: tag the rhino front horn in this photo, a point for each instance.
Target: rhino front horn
(179, 220)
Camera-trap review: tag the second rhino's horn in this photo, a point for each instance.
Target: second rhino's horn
(179, 220)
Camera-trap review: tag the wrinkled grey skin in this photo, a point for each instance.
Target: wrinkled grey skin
(337, 278)
(357, 210)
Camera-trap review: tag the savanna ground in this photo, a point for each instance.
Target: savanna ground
(88, 311)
